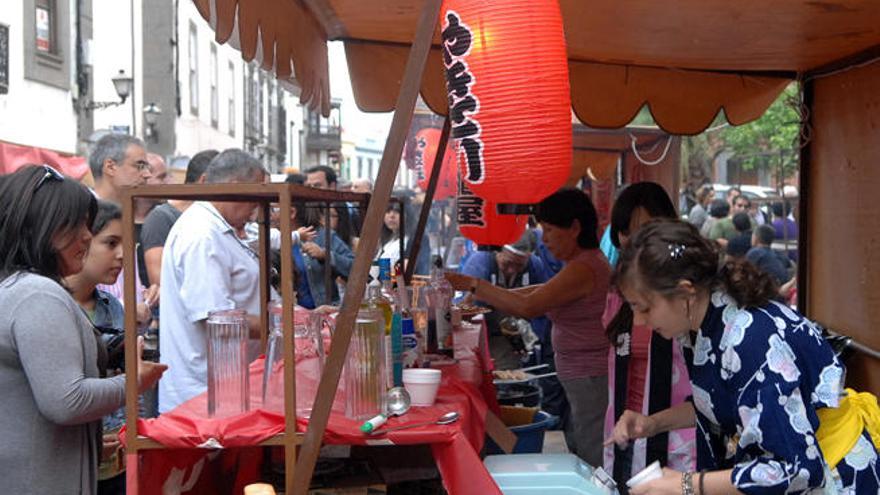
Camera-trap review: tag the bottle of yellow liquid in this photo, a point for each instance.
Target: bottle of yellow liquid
(376, 299)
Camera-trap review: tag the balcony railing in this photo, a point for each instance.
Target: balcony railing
(325, 137)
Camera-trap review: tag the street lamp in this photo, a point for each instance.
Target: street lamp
(122, 83)
(151, 117)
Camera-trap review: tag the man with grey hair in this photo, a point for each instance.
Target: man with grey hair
(206, 267)
(362, 185)
(118, 161)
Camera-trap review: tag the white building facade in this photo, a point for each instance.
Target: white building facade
(37, 76)
(58, 59)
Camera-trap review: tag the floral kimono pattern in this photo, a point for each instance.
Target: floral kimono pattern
(758, 377)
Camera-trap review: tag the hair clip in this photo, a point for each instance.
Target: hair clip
(676, 251)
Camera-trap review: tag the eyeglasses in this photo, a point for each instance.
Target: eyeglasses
(51, 173)
(142, 165)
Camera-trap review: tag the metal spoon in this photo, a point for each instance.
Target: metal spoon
(446, 419)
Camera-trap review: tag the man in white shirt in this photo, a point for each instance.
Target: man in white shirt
(206, 267)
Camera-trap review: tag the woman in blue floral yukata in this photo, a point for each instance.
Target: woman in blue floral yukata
(769, 406)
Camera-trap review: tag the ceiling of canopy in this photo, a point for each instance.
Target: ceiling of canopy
(686, 59)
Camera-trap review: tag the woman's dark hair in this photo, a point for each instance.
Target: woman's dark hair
(386, 234)
(36, 205)
(648, 195)
(654, 199)
(106, 213)
(566, 205)
(344, 224)
(308, 214)
(719, 208)
(664, 252)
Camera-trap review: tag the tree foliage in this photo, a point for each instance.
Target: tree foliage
(772, 138)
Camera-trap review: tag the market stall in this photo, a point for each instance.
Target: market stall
(193, 425)
(685, 60)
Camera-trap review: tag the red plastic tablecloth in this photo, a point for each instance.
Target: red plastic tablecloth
(455, 447)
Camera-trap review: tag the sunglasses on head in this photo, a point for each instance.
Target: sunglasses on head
(50, 173)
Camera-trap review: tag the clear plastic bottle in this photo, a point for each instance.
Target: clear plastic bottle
(365, 368)
(441, 306)
(375, 299)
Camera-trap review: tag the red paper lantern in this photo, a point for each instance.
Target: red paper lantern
(426, 150)
(479, 221)
(509, 99)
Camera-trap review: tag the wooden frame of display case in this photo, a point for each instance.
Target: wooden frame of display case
(264, 194)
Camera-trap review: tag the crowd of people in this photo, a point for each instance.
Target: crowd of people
(744, 229)
(671, 339)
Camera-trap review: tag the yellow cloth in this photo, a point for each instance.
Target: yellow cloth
(840, 427)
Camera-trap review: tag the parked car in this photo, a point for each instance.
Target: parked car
(761, 193)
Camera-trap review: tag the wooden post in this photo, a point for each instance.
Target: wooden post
(406, 100)
(416, 242)
(328, 242)
(129, 298)
(287, 304)
(265, 270)
(804, 203)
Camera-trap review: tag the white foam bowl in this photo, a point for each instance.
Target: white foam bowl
(422, 385)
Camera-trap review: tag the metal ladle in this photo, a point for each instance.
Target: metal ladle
(446, 419)
(398, 401)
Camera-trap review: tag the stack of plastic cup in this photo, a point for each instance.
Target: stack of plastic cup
(422, 385)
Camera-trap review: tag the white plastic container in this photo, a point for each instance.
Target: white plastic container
(422, 385)
(652, 472)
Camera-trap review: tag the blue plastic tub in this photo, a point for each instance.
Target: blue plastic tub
(529, 438)
(543, 474)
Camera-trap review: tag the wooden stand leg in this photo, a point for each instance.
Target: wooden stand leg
(406, 101)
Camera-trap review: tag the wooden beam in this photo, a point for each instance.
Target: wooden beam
(406, 101)
(129, 299)
(326, 16)
(864, 57)
(265, 270)
(328, 252)
(500, 433)
(416, 242)
(254, 192)
(803, 242)
(287, 305)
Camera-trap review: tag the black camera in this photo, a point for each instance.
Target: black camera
(114, 341)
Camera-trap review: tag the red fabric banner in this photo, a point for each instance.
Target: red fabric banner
(15, 156)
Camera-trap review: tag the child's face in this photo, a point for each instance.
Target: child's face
(104, 261)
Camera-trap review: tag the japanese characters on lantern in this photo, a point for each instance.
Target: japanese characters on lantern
(509, 102)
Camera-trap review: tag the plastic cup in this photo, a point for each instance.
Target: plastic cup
(422, 385)
(651, 472)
